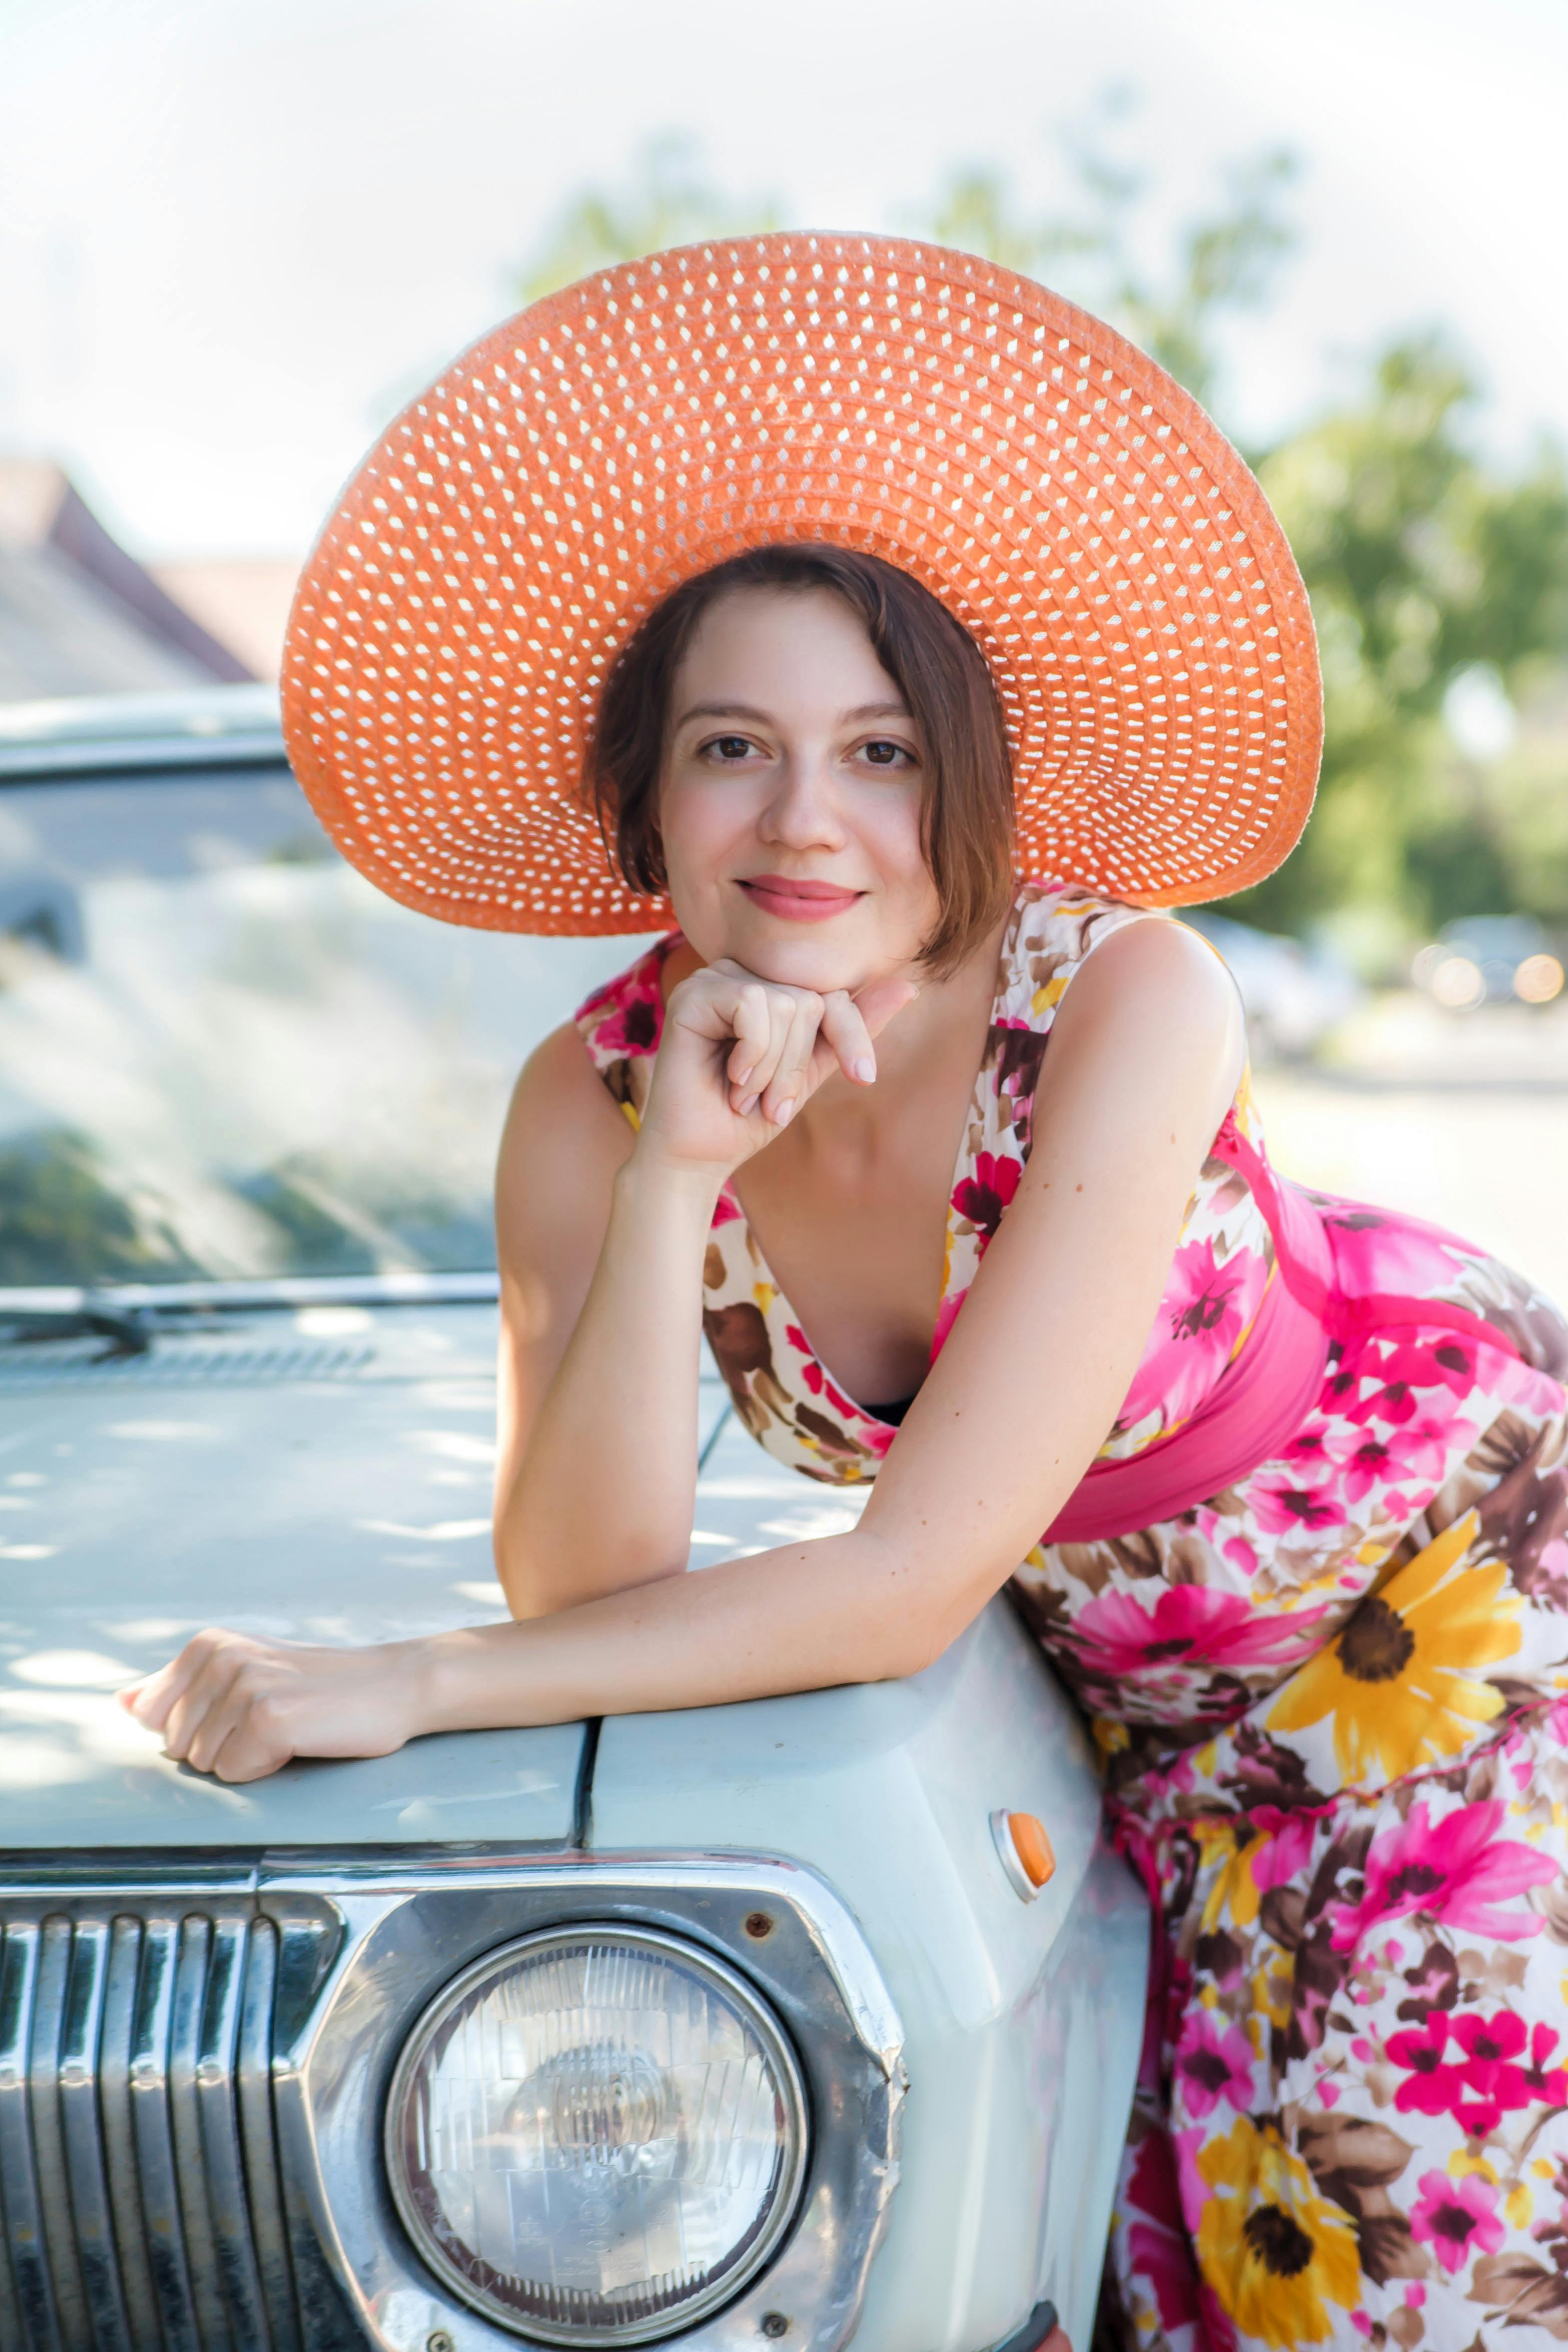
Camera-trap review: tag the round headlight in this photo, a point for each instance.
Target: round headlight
(596, 2135)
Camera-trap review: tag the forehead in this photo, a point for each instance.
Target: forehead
(806, 644)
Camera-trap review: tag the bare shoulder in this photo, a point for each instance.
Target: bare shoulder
(563, 1140)
(1150, 968)
(1157, 995)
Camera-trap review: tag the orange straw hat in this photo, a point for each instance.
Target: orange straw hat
(1066, 500)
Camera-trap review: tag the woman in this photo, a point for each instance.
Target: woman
(858, 580)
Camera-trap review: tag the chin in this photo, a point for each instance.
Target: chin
(812, 958)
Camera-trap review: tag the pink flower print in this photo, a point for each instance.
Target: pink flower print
(1284, 1847)
(1374, 1464)
(1281, 1508)
(1212, 2065)
(982, 1197)
(1417, 1453)
(1206, 1307)
(1442, 1361)
(1427, 2089)
(1408, 1378)
(946, 1316)
(1376, 1250)
(1459, 1869)
(634, 1026)
(1457, 2218)
(1190, 1626)
(725, 1209)
(1314, 1452)
(1157, 2242)
(1488, 2084)
(1496, 2083)
(815, 1377)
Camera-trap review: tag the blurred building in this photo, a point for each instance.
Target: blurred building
(78, 615)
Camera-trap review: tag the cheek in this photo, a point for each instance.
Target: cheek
(890, 833)
(703, 834)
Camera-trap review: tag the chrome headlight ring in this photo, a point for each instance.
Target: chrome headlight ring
(402, 1932)
(597, 2135)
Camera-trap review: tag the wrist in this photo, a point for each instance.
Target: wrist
(470, 1680)
(654, 1176)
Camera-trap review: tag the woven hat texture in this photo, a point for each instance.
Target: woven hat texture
(1067, 500)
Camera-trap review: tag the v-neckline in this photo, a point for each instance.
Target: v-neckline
(730, 1199)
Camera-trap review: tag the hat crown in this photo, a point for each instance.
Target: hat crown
(1066, 500)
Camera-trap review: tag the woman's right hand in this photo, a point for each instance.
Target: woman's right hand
(740, 1055)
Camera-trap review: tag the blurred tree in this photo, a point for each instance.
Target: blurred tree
(1097, 251)
(1424, 564)
(667, 201)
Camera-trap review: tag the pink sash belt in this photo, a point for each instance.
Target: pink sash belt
(1261, 1399)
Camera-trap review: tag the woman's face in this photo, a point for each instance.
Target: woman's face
(790, 800)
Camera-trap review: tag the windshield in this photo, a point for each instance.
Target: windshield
(224, 1054)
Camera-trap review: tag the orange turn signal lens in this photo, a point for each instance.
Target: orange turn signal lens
(1024, 1851)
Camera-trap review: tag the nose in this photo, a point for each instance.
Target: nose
(802, 811)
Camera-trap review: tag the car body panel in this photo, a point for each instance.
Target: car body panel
(215, 1479)
(304, 1459)
(1022, 2021)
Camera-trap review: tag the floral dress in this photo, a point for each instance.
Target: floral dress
(1332, 1705)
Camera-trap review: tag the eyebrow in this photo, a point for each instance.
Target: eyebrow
(761, 718)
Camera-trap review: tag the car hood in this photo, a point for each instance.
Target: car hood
(318, 1476)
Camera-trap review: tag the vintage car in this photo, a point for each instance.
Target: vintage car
(742, 2025)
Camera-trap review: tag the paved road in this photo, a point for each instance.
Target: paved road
(1466, 1123)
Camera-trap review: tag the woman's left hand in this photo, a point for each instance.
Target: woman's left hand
(239, 1708)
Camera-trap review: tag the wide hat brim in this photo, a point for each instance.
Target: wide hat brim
(1070, 504)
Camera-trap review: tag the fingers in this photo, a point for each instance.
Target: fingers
(218, 1707)
(150, 1699)
(767, 1067)
(792, 1077)
(845, 1039)
(786, 1041)
(754, 1023)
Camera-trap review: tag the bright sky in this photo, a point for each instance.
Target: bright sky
(233, 228)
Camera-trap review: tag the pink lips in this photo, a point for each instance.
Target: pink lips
(798, 902)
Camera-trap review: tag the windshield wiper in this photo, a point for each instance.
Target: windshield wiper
(128, 1331)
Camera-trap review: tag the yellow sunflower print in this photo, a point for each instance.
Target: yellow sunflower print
(1400, 1681)
(1274, 2251)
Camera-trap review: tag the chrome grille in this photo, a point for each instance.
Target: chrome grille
(172, 1363)
(141, 2202)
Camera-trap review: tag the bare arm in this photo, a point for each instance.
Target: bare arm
(1143, 1064)
(601, 1239)
(601, 1319)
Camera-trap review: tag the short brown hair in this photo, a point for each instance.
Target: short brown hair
(966, 811)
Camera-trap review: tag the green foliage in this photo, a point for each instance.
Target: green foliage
(1094, 252)
(667, 201)
(1422, 562)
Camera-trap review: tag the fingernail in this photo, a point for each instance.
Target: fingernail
(785, 1112)
(749, 1104)
(865, 1070)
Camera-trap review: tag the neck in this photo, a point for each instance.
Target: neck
(944, 1028)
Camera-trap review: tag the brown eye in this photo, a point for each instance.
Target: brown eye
(730, 747)
(885, 755)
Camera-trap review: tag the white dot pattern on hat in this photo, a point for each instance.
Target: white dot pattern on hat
(1069, 503)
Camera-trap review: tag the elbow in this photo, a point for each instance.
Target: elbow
(909, 1615)
(920, 1645)
(540, 1581)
